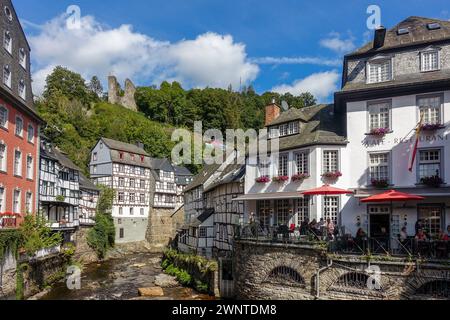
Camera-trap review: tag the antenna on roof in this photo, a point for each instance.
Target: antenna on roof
(284, 105)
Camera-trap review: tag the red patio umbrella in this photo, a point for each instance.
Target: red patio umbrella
(393, 196)
(325, 191)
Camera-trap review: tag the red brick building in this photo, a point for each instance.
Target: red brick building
(19, 123)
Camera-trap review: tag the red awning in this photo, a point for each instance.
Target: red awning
(393, 195)
(325, 191)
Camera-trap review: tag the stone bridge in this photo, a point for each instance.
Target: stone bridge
(266, 271)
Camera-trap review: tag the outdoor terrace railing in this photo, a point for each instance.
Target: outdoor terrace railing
(344, 244)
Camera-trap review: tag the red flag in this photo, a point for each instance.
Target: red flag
(416, 144)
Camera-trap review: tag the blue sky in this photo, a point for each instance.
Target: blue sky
(214, 42)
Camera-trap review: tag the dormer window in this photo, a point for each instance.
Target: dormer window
(7, 76)
(8, 13)
(23, 58)
(433, 26)
(22, 89)
(379, 69)
(429, 60)
(121, 155)
(7, 42)
(285, 129)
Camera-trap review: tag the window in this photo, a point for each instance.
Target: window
(2, 200)
(19, 126)
(30, 168)
(301, 163)
(3, 161)
(121, 168)
(28, 202)
(18, 163)
(121, 233)
(429, 60)
(7, 41)
(379, 71)
(142, 171)
(8, 13)
(132, 156)
(202, 232)
(282, 212)
(293, 128)
(283, 130)
(23, 58)
(142, 159)
(22, 89)
(430, 109)
(331, 208)
(132, 183)
(131, 211)
(379, 114)
(142, 184)
(121, 155)
(121, 182)
(283, 165)
(3, 117)
(429, 163)
(7, 76)
(330, 161)
(121, 196)
(431, 217)
(142, 197)
(264, 209)
(132, 197)
(142, 211)
(379, 166)
(16, 202)
(302, 209)
(264, 166)
(30, 133)
(120, 211)
(101, 145)
(51, 189)
(94, 156)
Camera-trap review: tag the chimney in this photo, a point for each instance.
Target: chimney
(273, 111)
(380, 35)
(139, 144)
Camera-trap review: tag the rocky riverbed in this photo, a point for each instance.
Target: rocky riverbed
(121, 278)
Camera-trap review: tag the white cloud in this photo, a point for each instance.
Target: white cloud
(94, 49)
(336, 43)
(297, 60)
(321, 85)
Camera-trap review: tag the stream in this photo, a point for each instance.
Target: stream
(120, 279)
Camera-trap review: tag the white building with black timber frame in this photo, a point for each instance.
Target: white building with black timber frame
(126, 168)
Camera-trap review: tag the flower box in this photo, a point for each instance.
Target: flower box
(434, 181)
(280, 179)
(300, 177)
(379, 132)
(332, 175)
(430, 127)
(381, 184)
(263, 179)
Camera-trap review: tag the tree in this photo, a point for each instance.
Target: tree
(63, 82)
(96, 87)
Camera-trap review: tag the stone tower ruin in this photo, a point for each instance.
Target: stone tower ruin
(117, 96)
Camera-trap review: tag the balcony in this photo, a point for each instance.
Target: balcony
(10, 220)
(383, 248)
(63, 225)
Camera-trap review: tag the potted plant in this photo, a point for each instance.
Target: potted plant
(263, 179)
(380, 183)
(433, 181)
(281, 179)
(431, 127)
(300, 177)
(332, 175)
(60, 198)
(379, 132)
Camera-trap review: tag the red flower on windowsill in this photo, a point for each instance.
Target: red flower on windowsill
(10, 215)
(379, 132)
(263, 179)
(332, 175)
(300, 177)
(280, 179)
(431, 127)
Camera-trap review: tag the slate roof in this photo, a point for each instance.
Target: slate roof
(289, 115)
(161, 164)
(232, 173)
(418, 34)
(87, 184)
(123, 146)
(202, 176)
(57, 155)
(322, 127)
(182, 174)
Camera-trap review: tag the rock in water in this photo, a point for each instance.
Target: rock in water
(151, 292)
(165, 281)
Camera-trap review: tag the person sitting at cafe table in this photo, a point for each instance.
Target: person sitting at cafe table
(330, 229)
(443, 236)
(313, 227)
(421, 235)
